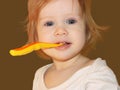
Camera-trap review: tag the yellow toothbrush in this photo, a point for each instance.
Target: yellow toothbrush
(32, 47)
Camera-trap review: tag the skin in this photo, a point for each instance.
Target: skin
(54, 25)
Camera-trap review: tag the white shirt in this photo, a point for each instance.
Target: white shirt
(97, 76)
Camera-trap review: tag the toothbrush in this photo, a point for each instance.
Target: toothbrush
(32, 47)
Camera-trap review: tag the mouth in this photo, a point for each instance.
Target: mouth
(65, 45)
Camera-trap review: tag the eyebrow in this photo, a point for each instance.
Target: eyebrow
(70, 14)
(45, 17)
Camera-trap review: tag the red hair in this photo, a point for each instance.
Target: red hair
(92, 29)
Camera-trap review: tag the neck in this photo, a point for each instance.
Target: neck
(62, 65)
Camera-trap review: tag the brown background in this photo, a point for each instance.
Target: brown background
(16, 73)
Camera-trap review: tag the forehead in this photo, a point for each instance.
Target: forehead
(59, 7)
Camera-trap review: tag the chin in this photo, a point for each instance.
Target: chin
(62, 58)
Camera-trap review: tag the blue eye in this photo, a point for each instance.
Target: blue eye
(71, 21)
(49, 23)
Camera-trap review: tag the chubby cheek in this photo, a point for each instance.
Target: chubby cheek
(44, 36)
(79, 39)
(43, 39)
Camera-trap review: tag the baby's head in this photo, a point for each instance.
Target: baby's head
(52, 21)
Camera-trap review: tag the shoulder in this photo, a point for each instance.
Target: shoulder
(42, 70)
(100, 69)
(101, 77)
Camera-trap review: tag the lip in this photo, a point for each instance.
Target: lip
(66, 45)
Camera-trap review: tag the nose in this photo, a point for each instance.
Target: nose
(61, 31)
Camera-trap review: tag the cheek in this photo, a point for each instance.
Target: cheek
(79, 34)
(80, 37)
(82, 33)
(44, 36)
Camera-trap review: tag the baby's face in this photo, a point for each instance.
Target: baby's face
(61, 21)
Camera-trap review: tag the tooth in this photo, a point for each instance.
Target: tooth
(64, 42)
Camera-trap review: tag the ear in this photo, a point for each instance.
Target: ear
(88, 34)
(35, 36)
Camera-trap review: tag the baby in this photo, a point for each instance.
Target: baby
(68, 22)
